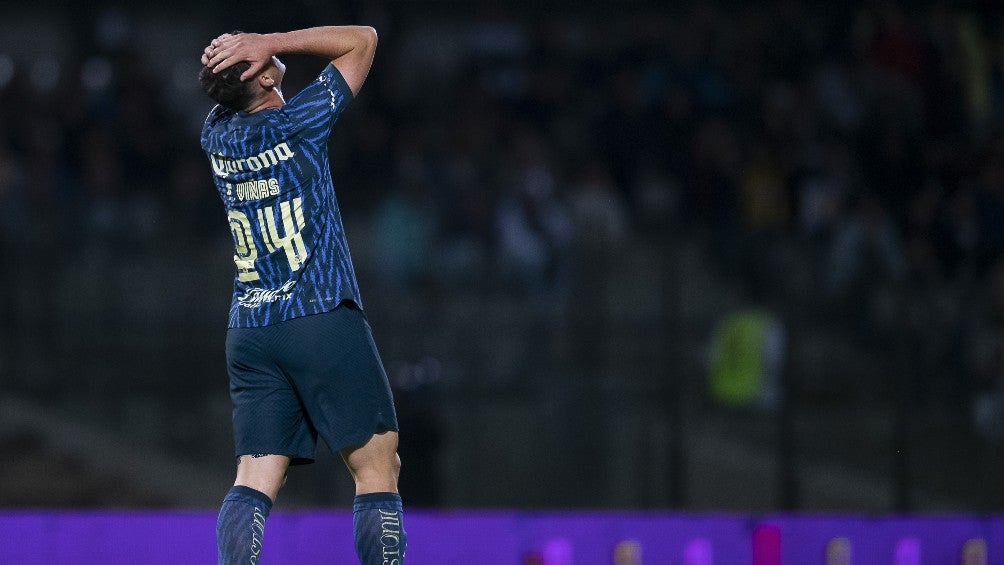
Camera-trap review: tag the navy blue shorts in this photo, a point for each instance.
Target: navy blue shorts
(309, 376)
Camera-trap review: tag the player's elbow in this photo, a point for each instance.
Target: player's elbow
(363, 36)
(364, 43)
(368, 37)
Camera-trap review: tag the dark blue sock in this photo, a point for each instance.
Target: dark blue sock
(378, 525)
(240, 527)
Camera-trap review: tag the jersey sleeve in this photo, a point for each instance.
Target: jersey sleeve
(315, 108)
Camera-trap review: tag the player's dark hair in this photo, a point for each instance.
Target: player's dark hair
(226, 87)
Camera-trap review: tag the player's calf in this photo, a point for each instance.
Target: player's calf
(240, 526)
(377, 511)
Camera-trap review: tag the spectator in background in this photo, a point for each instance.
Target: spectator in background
(987, 354)
(824, 189)
(765, 207)
(12, 212)
(600, 231)
(990, 206)
(467, 244)
(763, 192)
(656, 198)
(865, 249)
(864, 259)
(711, 188)
(464, 191)
(532, 224)
(746, 358)
(103, 178)
(405, 224)
(190, 201)
(964, 230)
(927, 246)
(599, 215)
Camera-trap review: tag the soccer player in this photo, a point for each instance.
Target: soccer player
(300, 353)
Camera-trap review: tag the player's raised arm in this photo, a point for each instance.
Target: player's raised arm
(349, 48)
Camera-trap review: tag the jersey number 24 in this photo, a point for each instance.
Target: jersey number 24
(290, 240)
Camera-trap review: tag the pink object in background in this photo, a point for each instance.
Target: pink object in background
(767, 545)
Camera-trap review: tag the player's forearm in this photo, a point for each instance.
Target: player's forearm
(349, 48)
(331, 42)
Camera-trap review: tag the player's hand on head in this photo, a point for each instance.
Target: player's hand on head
(211, 49)
(227, 50)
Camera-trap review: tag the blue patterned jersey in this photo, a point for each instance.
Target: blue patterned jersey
(271, 170)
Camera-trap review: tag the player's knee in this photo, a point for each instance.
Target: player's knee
(379, 474)
(264, 473)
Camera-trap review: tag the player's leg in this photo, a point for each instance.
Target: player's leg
(240, 527)
(270, 433)
(338, 372)
(263, 473)
(377, 512)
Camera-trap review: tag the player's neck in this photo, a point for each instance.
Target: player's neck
(272, 100)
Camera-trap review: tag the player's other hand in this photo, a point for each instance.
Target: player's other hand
(210, 49)
(227, 50)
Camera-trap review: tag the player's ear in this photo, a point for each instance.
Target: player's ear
(266, 81)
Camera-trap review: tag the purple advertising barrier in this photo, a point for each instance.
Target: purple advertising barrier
(455, 537)
(435, 538)
(503, 537)
(896, 540)
(107, 537)
(995, 539)
(324, 536)
(660, 537)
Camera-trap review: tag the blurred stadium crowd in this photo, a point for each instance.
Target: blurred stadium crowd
(841, 166)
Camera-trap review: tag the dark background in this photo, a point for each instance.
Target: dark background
(572, 224)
